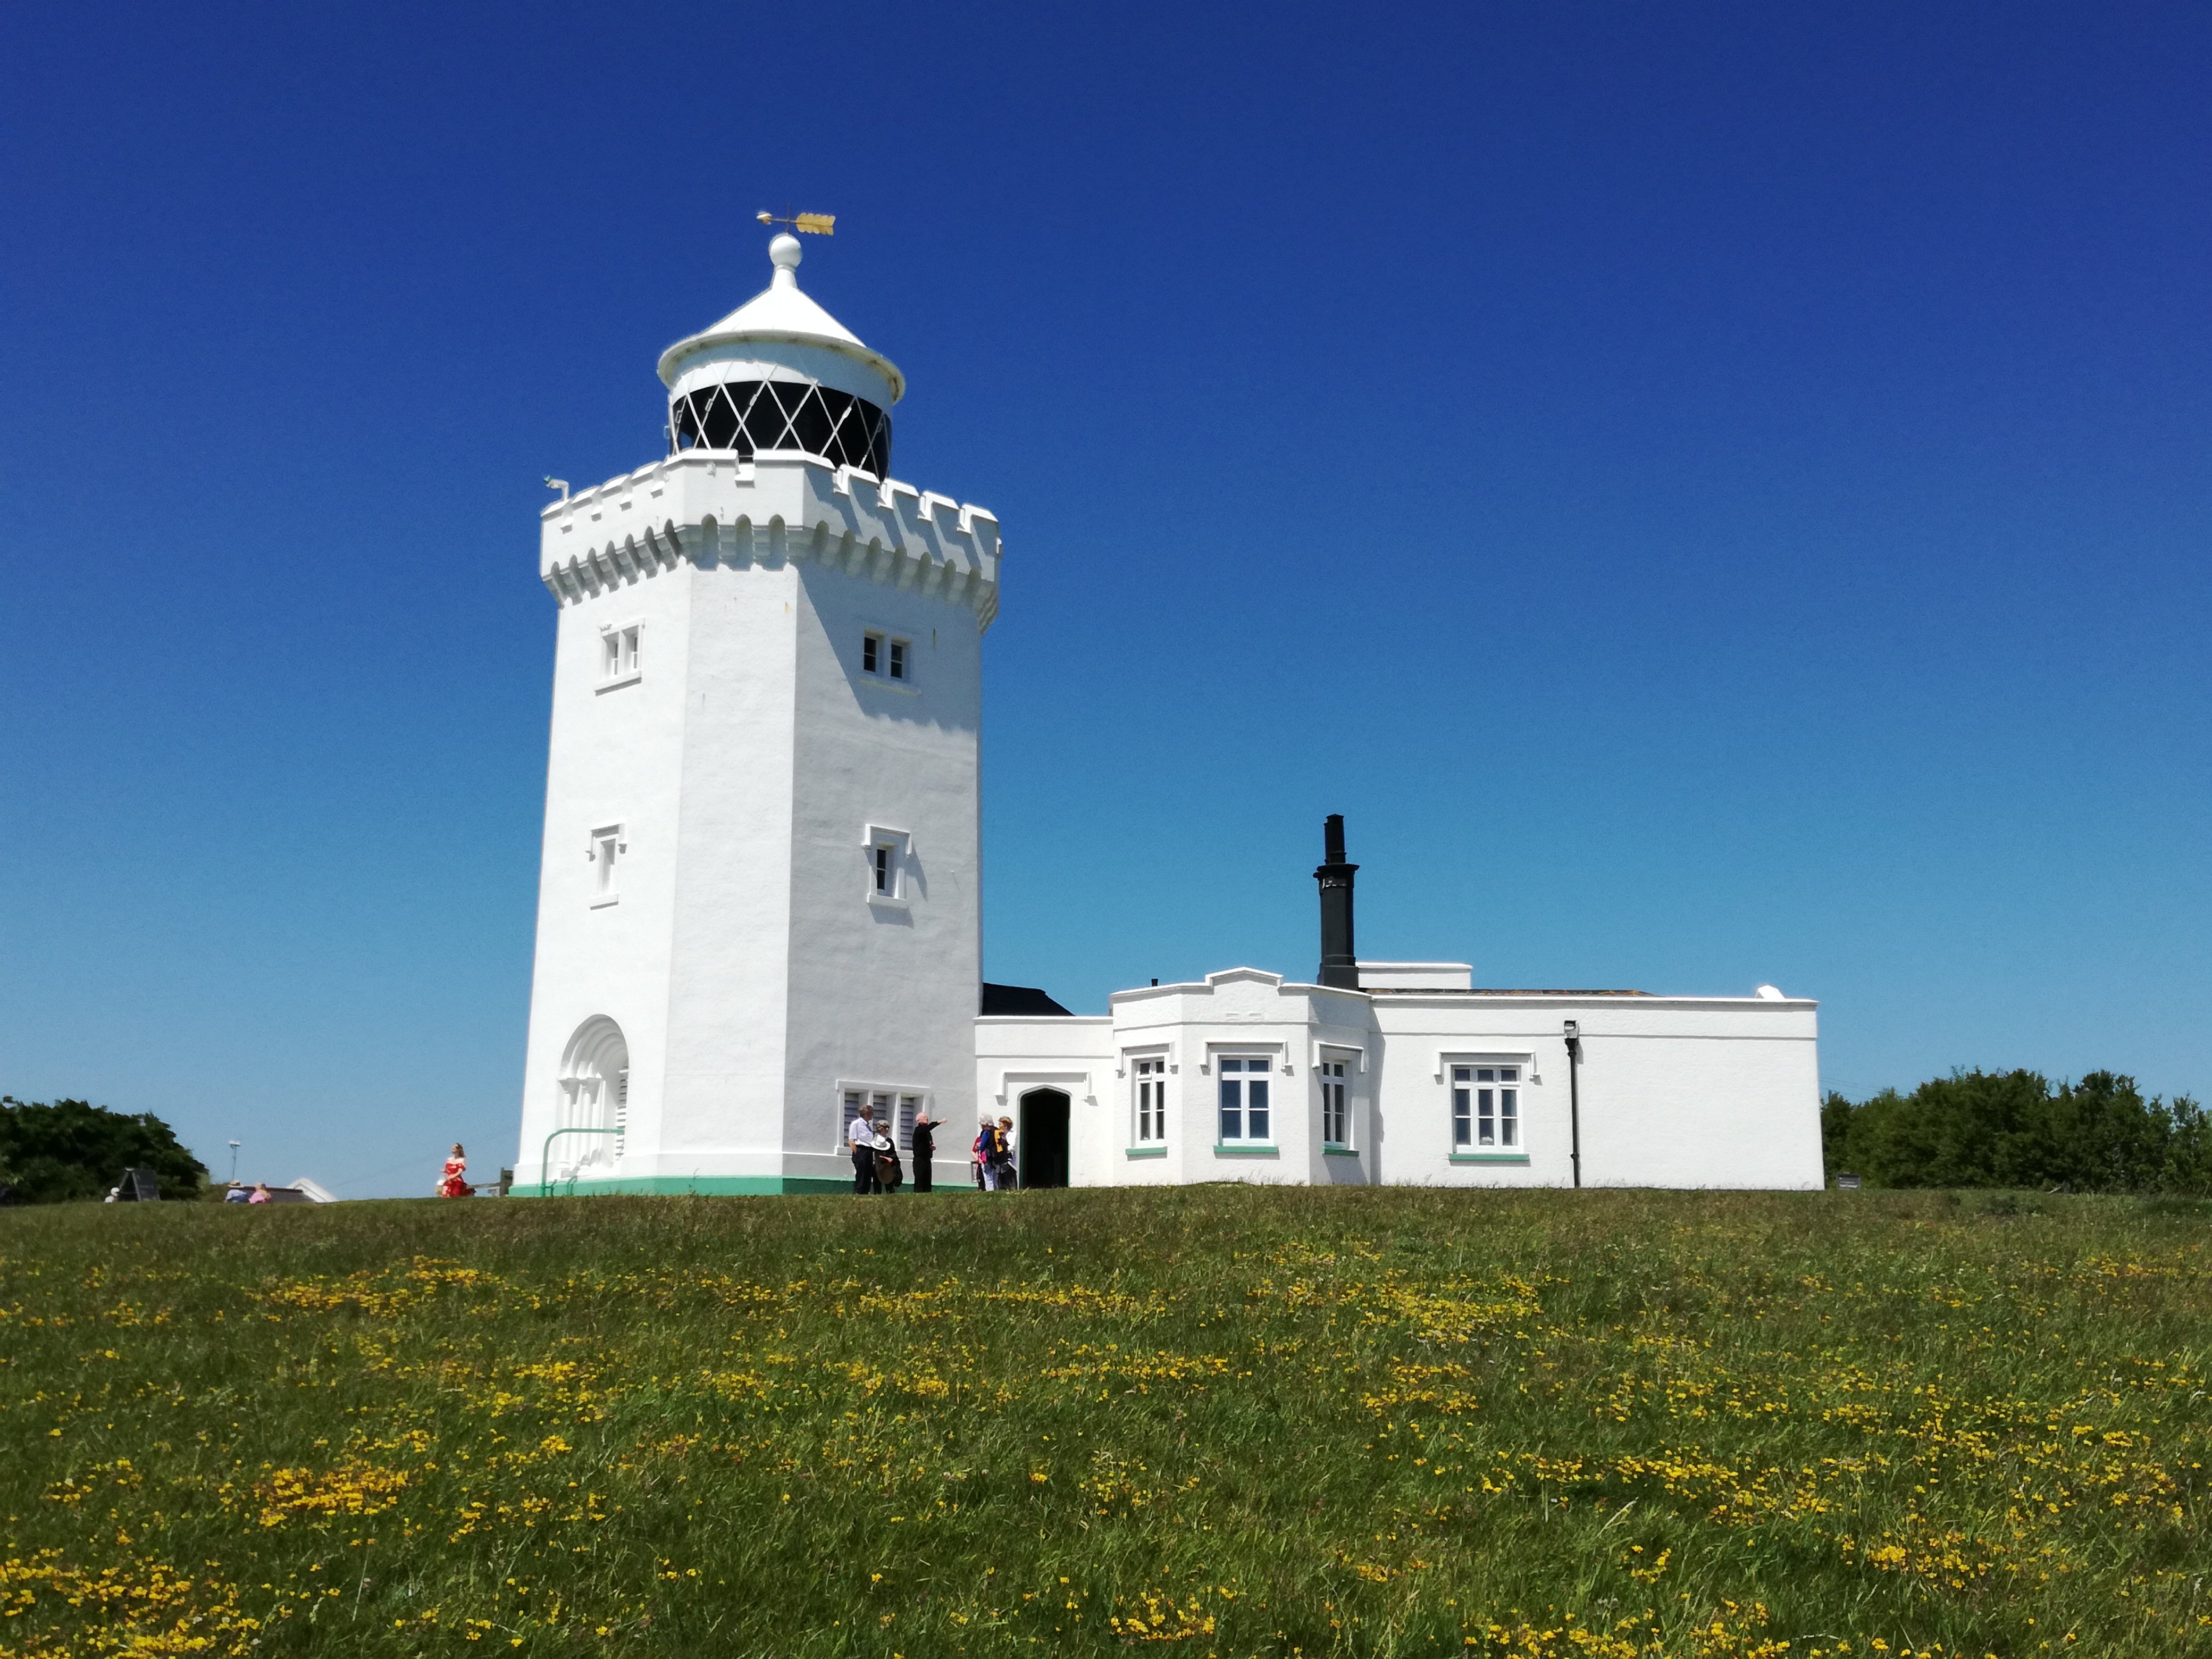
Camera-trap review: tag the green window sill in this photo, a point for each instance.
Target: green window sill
(1148, 1151)
(1253, 1151)
(1490, 1157)
(1339, 1152)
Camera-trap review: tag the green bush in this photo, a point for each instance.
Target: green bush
(2015, 1129)
(74, 1149)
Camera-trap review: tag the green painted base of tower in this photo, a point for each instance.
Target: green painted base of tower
(700, 1186)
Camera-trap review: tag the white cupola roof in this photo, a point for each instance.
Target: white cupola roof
(781, 327)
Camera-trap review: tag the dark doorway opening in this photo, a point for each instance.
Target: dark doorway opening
(1041, 1149)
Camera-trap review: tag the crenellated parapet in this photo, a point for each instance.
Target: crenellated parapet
(716, 508)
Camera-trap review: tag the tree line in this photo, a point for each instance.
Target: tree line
(1970, 1129)
(2018, 1129)
(74, 1149)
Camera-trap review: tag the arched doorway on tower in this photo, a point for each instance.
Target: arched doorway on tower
(592, 1112)
(1041, 1138)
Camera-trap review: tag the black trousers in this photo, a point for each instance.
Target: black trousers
(864, 1171)
(922, 1155)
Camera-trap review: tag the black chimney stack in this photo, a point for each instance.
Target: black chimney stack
(1339, 966)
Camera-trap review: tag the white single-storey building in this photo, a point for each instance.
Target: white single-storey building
(760, 903)
(1415, 1077)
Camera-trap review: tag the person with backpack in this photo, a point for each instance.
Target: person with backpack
(981, 1155)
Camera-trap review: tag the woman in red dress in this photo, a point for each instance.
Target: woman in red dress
(456, 1181)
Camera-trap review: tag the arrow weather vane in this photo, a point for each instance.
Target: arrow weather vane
(814, 224)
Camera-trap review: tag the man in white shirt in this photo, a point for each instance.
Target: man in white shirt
(866, 1141)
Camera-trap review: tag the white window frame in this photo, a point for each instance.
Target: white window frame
(1148, 1097)
(896, 1103)
(1253, 1065)
(1334, 1071)
(887, 658)
(604, 851)
(621, 651)
(1507, 1116)
(886, 854)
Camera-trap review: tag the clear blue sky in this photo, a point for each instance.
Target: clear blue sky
(1714, 494)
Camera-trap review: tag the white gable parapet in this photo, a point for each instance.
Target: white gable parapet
(715, 506)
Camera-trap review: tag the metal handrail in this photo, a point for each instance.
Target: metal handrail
(545, 1156)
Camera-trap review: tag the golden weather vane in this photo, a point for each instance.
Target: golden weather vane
(814, 224)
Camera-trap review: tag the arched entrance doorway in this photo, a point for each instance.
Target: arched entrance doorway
(1041, 1138)
(593, 1109)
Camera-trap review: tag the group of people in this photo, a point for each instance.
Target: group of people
(876, 1167)
(237, 1194)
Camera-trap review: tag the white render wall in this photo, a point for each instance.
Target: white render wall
(616, 757)
(1675, 1091)
(751, 974)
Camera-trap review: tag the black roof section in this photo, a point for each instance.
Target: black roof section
(1017, 999)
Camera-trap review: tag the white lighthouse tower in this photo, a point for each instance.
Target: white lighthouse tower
(760, 901)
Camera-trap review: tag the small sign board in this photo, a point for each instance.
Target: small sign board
(1846, 1181)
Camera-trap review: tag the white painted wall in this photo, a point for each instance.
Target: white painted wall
(883, 993)
(744, 961)
(1676, 1092)
(616, 757)
(1014, 1053)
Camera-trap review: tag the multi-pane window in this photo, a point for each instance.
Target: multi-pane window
(883, 656)
(747, 416)
(886, 872)
(1244, 1097)
(1485, 1106)
(1152, 1100)
(892, 1113)
(1335, 1119)
(880, 1099)
(618, 653)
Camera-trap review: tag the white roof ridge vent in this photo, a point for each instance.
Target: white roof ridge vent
(1416, 975)
(1770, 993)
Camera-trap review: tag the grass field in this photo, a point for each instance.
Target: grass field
(1244, 1421)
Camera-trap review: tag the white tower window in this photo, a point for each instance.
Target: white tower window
(886, 657)
(887, 865)
(618, 655)
(606, 851)
(893, 1109)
